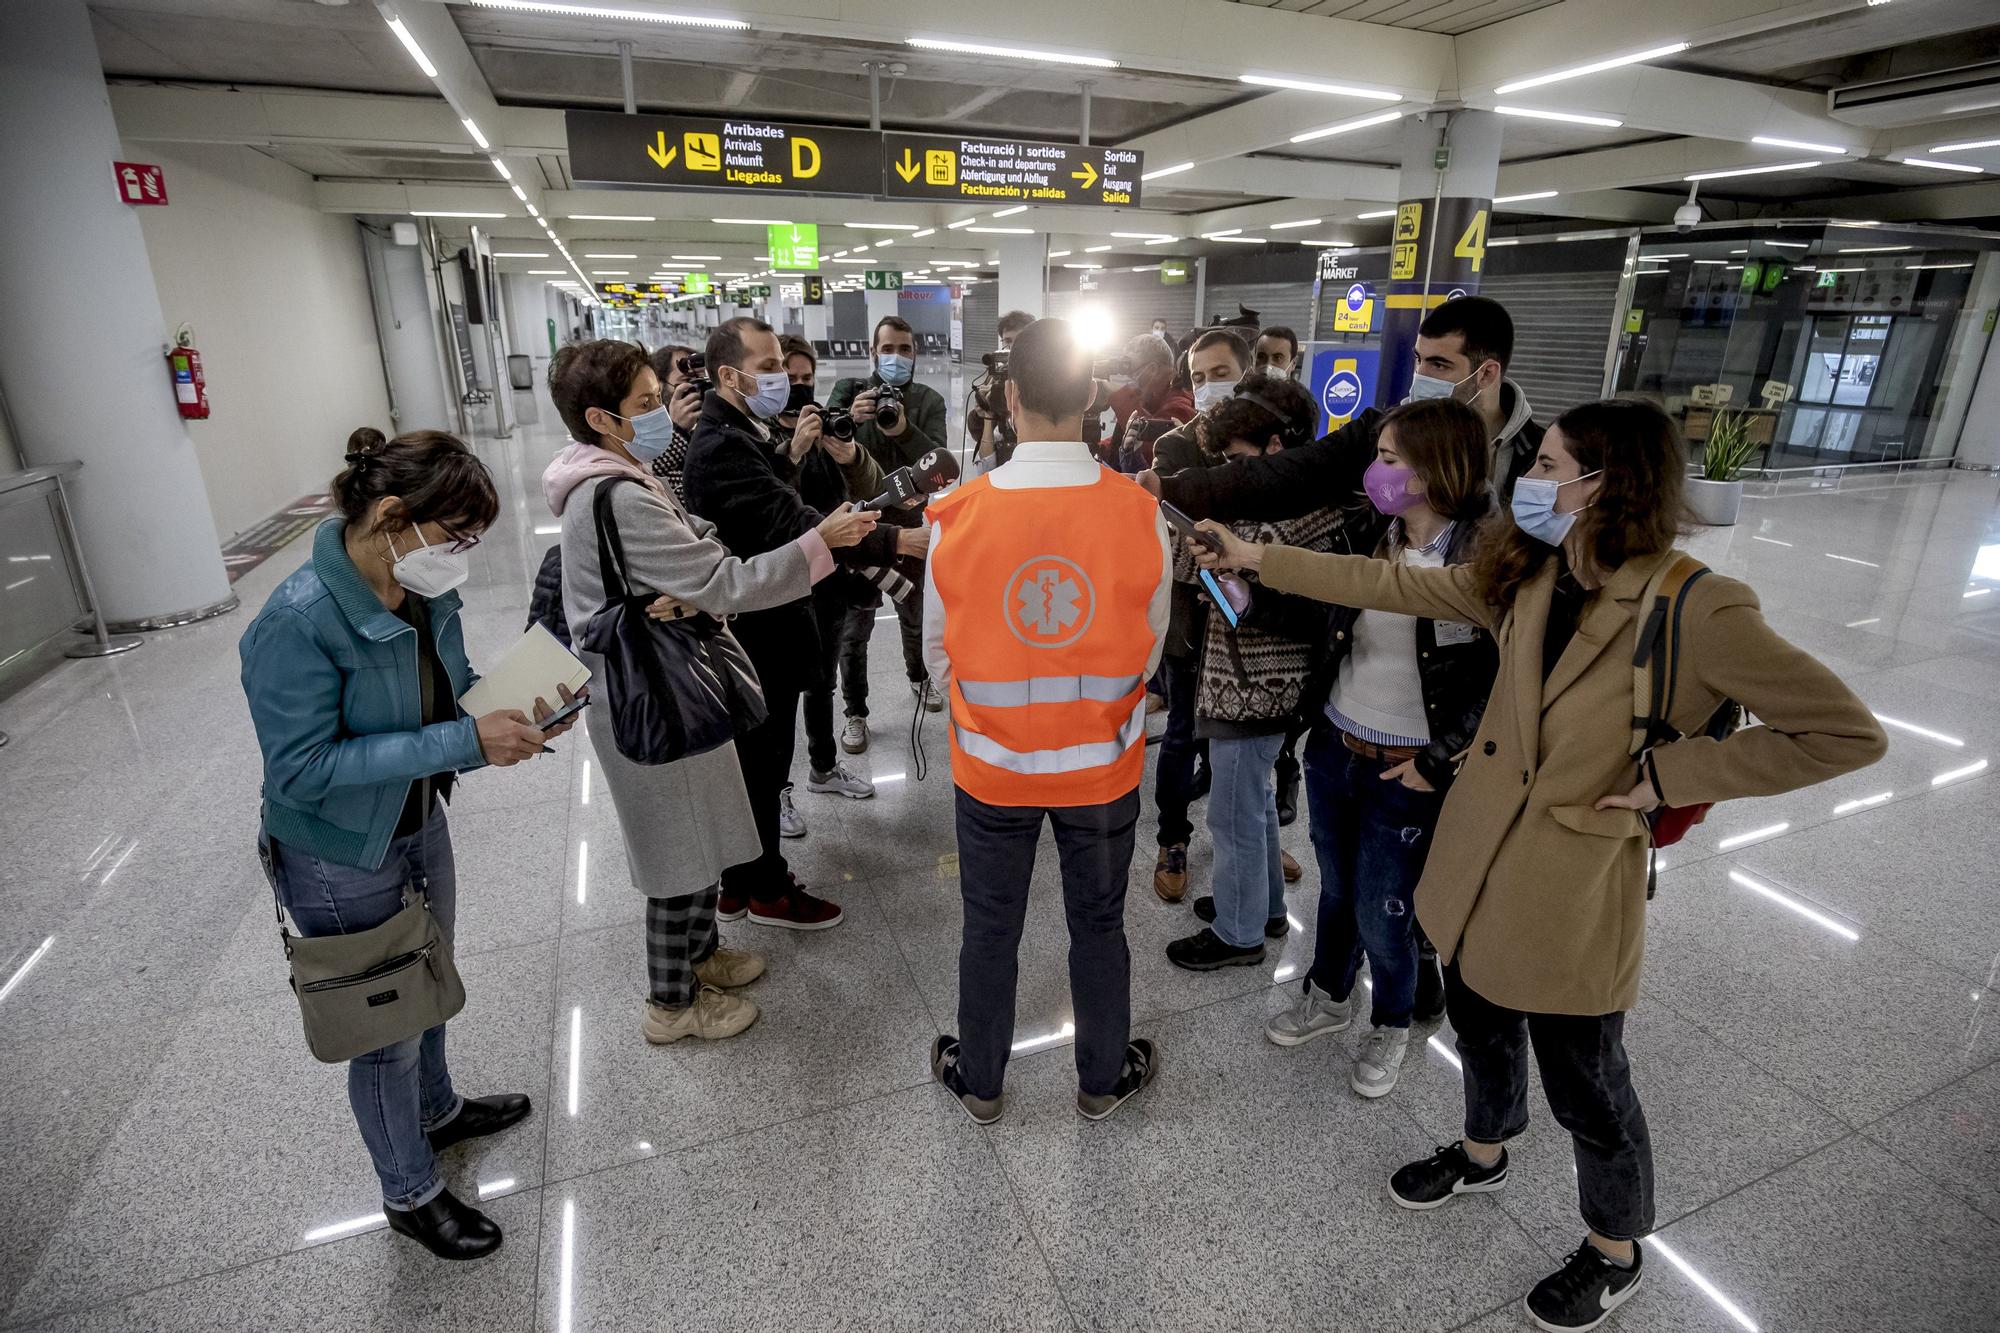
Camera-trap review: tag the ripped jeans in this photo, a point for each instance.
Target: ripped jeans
(1371, 838)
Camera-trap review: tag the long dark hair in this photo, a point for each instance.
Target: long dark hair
(1641, 496)
(433, 476)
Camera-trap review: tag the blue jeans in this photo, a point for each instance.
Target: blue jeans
(1243, 822)
(401, 1091)
(1371, 838)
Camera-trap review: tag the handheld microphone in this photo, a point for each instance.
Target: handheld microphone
(927, 476)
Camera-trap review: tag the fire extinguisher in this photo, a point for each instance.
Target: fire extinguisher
(190, 386)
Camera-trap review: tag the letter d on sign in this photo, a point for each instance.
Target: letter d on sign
(805, 158)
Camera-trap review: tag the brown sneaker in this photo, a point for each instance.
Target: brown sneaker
(1290, 868)
(731, 906)
(796, 910)
(712, 1017)
(726, 969)
(1170, 873)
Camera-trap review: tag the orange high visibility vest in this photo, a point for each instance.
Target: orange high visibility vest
(1045, 594)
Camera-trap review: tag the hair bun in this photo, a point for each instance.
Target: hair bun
(363, 441)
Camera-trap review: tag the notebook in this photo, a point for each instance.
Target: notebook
(531, 669)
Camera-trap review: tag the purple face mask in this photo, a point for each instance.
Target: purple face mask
(1388, 486)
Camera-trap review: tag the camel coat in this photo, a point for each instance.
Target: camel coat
(1539, 897)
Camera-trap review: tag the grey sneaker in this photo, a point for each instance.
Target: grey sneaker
(840, 782)
(1380, 1061)
(926, 695)
(1142, 1064)
(1315, 1015)
(944, 1068)
(854, 736)
(791, 824)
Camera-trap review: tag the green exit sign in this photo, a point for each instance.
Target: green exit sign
(1173, 271)
(884, 280)
(696, 284)
(794, 246)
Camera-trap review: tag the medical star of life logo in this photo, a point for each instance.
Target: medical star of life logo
(1049, 602)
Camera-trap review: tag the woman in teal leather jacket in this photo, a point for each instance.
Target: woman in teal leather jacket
(353, 671)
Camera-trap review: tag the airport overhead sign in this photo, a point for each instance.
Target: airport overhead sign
(794, 246)
(987, 170)
(721, 153)
(884, 280)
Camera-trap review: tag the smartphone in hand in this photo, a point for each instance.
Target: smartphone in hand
(1184, 527)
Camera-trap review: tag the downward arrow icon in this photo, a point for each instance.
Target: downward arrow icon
(908, 167)
(660, 153)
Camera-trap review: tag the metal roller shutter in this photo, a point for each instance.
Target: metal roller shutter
(1563, 298)
(981, 317)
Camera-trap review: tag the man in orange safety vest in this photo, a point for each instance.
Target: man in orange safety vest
(1045, 606)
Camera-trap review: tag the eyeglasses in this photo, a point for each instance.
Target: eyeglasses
(459, 545)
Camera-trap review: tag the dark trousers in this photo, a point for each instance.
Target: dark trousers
(1173, 780)
(1371, 838)
(910, 620)
(832, 612)
(680, 934)
(855, 628)
(1589, 1086)
(765, 753)
(996, 858)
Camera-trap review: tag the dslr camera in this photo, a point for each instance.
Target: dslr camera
(694, 370)
(839, 425)
(888, 406)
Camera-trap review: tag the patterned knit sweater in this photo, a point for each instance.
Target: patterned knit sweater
(1252, 676)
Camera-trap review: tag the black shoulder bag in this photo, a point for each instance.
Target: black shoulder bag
(674, 689)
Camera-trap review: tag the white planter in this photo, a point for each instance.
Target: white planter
(1715, 503)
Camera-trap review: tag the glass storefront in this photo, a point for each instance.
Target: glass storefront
(1832, 339)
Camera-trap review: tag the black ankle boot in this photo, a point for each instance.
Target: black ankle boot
(478, 1116)
(447, 1227)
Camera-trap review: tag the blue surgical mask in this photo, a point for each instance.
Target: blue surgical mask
(1424, 386)
(774, 391)
(895, 369)
(1209, 394)
(652, 432)
(1535, 508)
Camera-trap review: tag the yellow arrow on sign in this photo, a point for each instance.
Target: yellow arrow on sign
(1088, 176)
(660, 153)
(908, 167)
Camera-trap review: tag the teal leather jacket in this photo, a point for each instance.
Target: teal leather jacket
(331, 676)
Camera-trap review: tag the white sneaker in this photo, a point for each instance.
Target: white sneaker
(1315, 1015)
(927, 696)
(1379, 1064)
(791, 824)
(854, 736)
(840, 782)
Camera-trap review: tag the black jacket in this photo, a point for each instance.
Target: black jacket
(733, 481)
(1298, 481)
(1456, 676)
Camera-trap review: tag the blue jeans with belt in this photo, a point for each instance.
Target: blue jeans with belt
(401, 1091)
(1371, 838)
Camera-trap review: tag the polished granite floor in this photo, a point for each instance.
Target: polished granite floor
(1816, 1045)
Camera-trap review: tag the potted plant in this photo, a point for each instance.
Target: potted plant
(1716, 496)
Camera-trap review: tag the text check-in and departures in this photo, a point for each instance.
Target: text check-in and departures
(990, 170)
(721, 153)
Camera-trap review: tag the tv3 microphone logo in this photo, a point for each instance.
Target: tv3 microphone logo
(1341, 394)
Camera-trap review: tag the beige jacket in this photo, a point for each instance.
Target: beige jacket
(1540, 897)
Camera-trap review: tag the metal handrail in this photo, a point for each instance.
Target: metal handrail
(105, 644)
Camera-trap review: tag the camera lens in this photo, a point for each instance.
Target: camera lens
(840, 425)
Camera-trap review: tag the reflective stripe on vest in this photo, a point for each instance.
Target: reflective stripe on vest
(1047, 690)
(1068, 759)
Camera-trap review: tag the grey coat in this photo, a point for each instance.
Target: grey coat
(686, 822)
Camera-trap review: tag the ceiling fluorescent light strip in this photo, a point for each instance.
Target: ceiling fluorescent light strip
(1772, 141)
(1002, 231)
(612, 12)
(1378, 213)
(1007, 212)
(1287, 226)
(1174, 170)
(1007, 52)
(884, 226)
(473, 130)
(610, 217)
(1595, 67)
(1315, 86)
(1967, 146)
(1749, 171)
(1523, 198)
(442, 213)
(1362, 123)
(960, 224)
(1567, 117)
(416, 52)
(1965, 167)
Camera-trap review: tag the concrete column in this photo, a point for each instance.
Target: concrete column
(879, 304)
(82, 347)
(1438, 248)
(1023, 282)
(817, 320)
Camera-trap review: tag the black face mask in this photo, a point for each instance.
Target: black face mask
(802, 396)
